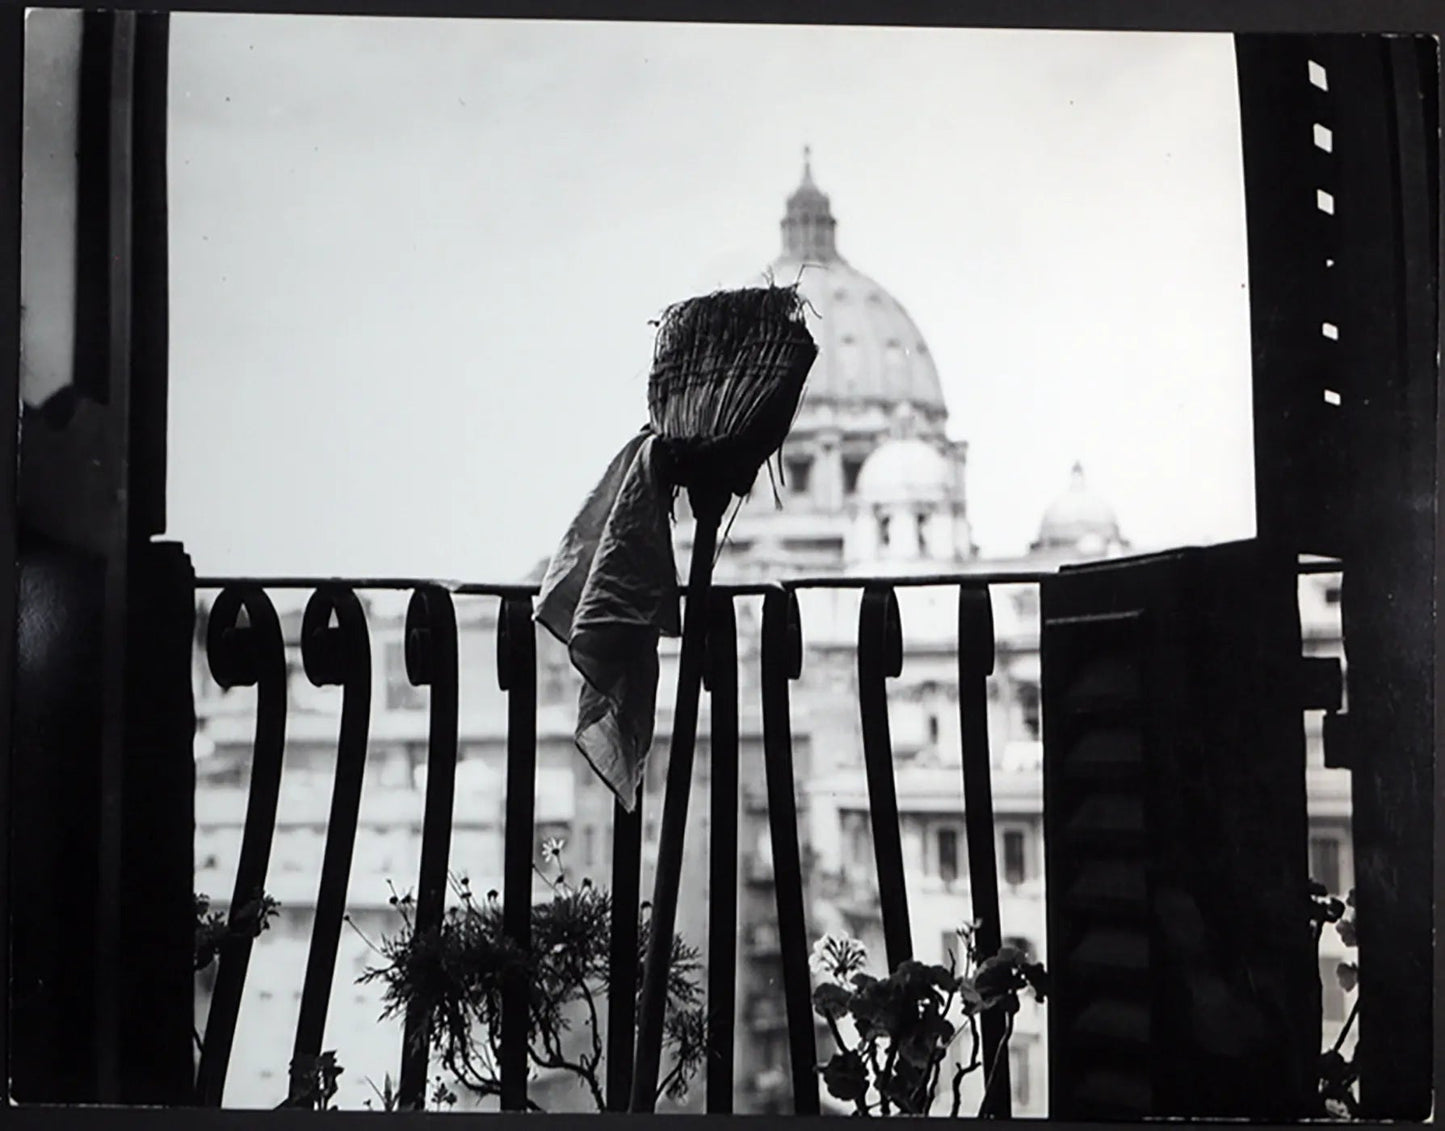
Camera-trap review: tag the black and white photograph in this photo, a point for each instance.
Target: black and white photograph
(604, 565)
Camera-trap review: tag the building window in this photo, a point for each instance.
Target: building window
(884, 522)
(921, 526)
(401, 693)
(1333, 996)
(1028, 695)
(948, 854)
(858, 838)
(1014, 869)
(416, 762)
(296, 671)
(1325, 862)
(932, 728)
(811, 545)
(1332, 595)
(797, 470)
(850, 361)
(1018, 1070)
(851, 467)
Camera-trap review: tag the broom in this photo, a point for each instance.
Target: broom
(727, 377)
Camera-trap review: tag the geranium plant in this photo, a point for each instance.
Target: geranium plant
(906, 1025)
(1338, 1073)
(313, 1081)
(455, 975)
(214, 927)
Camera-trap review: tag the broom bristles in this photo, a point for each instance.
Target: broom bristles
(727, 379)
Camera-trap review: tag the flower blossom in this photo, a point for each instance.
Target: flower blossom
(836, 958)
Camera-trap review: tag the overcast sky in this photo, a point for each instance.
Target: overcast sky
(413, 263)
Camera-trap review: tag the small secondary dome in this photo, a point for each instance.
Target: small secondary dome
(905, 468)
(1080, 520)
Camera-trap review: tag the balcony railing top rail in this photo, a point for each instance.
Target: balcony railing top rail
(1311, 565)
(735, 589)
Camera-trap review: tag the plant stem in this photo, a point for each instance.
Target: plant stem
(974, 1062)
(666, 1081)
(929, 1084)
(466, 1071)
(872, 1062)
(1349, 1021)
(593, 1024)
(887, 1075)
(927, 1088)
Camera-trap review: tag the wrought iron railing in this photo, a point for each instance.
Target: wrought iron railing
(336, 651)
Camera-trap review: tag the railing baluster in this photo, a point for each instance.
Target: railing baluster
(431, 660)
(517, 674)
(975, 664)
(782, 661)
(245, 656)
(623, 958)
(880, 657)
(333, 656)
(721, 678)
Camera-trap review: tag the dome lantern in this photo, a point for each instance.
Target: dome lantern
(808, 226)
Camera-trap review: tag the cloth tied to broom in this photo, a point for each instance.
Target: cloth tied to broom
(727, 377)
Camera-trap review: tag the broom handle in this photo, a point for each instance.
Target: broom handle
(653, 1004)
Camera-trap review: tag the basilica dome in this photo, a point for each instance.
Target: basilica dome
(870, 352)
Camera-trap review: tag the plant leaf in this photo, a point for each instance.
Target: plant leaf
(831, 1000)
(846, 1077)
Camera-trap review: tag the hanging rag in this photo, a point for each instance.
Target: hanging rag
(610, 592)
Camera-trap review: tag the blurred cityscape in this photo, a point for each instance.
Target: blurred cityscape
(871, 484)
